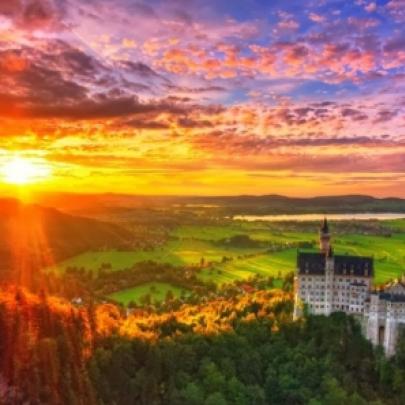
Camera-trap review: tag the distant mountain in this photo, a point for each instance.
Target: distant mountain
(243, 204)
(276, 204)
(32, 236)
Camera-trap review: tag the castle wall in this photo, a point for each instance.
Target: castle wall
(329, 293)
(375, 316)
(313, 291)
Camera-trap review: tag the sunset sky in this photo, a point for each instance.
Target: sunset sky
(204, 97)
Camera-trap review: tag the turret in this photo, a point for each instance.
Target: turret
(324, 237)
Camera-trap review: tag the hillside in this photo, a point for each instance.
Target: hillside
(244, 204)
(32, 236)
(277, 204)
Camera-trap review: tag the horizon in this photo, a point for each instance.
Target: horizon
(205, 98)
(44, 195)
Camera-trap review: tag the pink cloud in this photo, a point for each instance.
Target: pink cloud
(316, 17)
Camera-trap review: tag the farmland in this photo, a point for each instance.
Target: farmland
(177, 253)
(275, 265)
(271, 249)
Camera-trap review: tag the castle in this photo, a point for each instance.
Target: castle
(328, 283)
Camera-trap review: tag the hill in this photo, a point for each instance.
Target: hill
(277, 204)
(32, 236)
(243, 204)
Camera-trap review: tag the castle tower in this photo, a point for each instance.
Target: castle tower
(324, 237)
(329, 280)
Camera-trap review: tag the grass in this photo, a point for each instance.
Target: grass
(178, 253)
(196, 242)
(256, 231)
(397, 225)
(157, 292)
(388, 253)
(275, 264)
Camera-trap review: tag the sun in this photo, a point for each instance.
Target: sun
(22, 171)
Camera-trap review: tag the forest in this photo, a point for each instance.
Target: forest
(244, 349)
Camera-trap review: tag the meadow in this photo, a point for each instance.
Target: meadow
(274, 265)
(156, 291)
(275, 255)
(177, 253)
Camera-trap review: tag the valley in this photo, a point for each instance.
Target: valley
(219, 252)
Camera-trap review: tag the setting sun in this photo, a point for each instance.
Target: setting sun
(24, 171)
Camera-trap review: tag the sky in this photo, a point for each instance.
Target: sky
(205, 97)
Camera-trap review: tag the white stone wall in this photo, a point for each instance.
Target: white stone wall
(384, 319)
(328, 293)
(329, 285)
(375, 316)
(311, 291)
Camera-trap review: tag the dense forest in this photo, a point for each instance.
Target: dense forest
(243, 349)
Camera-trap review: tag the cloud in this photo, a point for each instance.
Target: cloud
(396, 8)
(143, 124)
(371, 7)
(33, 14)
(354, 114)
(191, 123)
(385, 115)
(316, 17)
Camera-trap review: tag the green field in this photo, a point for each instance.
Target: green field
(178, 253)
(157, 292)
(256, 231)
(195, 242)
(275, 264)
(388, 252)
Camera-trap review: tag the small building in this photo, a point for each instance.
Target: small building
(327, 283)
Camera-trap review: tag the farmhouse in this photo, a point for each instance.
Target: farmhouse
(328, 283)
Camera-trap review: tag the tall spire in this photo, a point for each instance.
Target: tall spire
(325, 226)
(324, 237)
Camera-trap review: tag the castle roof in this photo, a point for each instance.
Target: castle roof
(356, 265)
(314, 263)
(392, 297)
(311, 263)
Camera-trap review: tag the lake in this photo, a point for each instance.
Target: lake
(319, 217)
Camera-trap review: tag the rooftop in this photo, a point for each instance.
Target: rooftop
(392, 297)
(314, 263)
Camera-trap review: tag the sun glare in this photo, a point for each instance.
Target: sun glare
(22, 171)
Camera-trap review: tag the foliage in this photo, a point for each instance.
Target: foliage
(241, 350)
(324, 360)
(44, 346)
